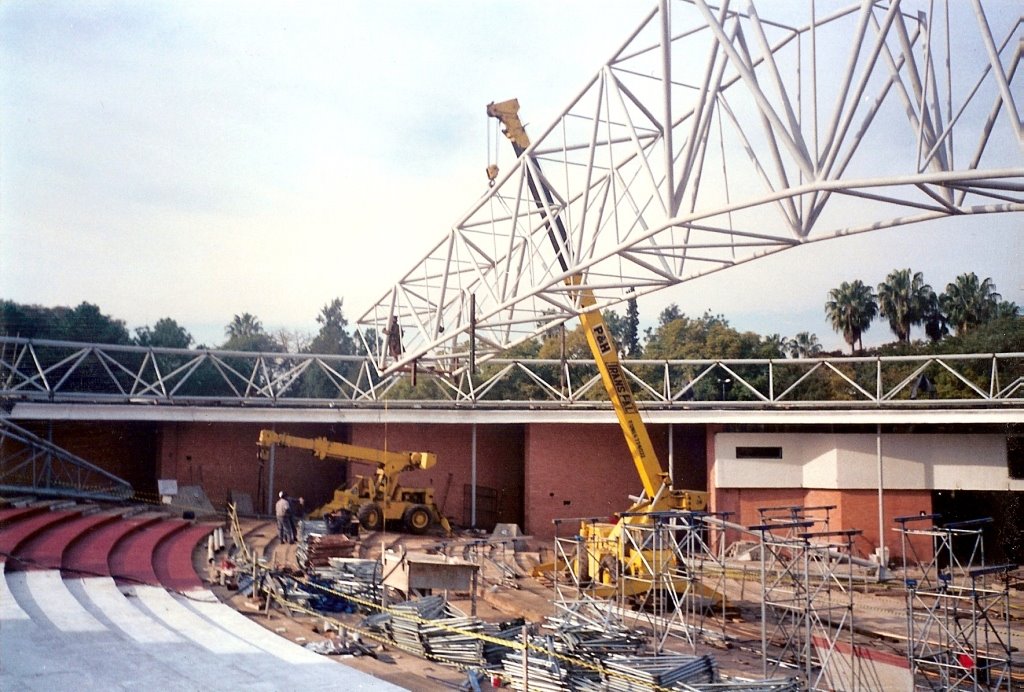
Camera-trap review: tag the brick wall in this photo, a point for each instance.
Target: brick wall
(854, 509)
(540, 472)
(125, 449)
(222, 458)
(576, 471)
(499, 454)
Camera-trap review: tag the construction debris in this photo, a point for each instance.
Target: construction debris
(318, 550)
(586, 645)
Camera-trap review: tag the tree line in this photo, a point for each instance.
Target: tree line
(906, 301)
(245, 332)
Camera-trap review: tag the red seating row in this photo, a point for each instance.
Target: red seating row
(146, 548)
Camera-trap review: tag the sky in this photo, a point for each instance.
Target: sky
(199, 160)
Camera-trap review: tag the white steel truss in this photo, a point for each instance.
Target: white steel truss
(714, 136)
(29, 463)
(76, 372)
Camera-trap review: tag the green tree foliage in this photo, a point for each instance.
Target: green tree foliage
(969, 302)
(332, 339)
(903, 299)
(804, 345)
(28, 321)
(1006, 309)
(631, 336)
(936, 326)
(515, 385)
(708, 336)
(166, 333)
(85, 323)
(617, 327)
(333, 336)
(850, 309)
(774, 346)
(679, 337)
(245, 333)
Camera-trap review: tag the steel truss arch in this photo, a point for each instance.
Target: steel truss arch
(714, 137)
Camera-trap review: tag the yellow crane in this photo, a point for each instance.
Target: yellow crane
(373, 499)
(659, 495)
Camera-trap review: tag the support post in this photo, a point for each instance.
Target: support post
(472, 476)
(671, 456)
(882, 567)
(270, 480)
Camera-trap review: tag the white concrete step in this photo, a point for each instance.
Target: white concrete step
(91, 634)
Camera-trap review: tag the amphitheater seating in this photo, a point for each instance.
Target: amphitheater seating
(94, 599)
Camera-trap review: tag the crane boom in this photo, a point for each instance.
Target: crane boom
(374, 499)
(389, 462)
(657, 484)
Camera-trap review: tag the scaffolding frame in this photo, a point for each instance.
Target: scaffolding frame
(807, 596)
(673, 591)
(958, 609)
(679, 588)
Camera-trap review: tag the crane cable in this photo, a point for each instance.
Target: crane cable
(492, 160)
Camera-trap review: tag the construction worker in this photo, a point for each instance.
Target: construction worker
(283, 512)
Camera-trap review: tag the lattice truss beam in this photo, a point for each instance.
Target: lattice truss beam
(714, 136)
(28, 463)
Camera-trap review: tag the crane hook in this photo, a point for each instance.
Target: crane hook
(492, 174)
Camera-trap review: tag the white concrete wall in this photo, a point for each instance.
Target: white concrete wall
(848, 462)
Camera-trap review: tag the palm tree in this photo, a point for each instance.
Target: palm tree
(903, 299)
(936, 326)
(244, 325)
(850, 308)
(969, 302)
(804, 345)
(245, 333)
(775, 345)
(1006, 309)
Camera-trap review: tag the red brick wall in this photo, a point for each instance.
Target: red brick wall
(541, 472)
(854, 509)
(221, 457)
(499, 454)
(125, 449)
(576, 471)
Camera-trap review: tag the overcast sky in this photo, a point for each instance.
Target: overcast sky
(197, 160)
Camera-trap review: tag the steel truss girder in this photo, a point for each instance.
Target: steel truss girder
(28, 463)
(58, 371)
(663, 168)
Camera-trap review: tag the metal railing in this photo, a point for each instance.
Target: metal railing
(70, 372)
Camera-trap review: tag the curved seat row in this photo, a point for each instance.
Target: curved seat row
(109, 599)
(141, 548)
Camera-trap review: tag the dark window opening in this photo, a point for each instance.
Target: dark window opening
(1015, 456)
(759, 452)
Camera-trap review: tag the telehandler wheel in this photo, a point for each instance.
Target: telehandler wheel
(417, 519)
(371, 517)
